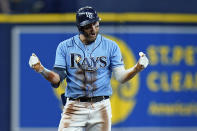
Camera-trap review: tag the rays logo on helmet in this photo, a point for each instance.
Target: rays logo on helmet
(89, 15)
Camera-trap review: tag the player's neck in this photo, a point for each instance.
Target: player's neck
(84, 40)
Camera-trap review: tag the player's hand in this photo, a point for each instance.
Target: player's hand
(143, 61)
(35, 63)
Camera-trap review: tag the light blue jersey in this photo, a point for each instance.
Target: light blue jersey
(88, 67)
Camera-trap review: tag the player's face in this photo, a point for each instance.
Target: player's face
(91, 31)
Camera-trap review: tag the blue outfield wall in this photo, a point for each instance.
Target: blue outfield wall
(162, 96)
(5, 98)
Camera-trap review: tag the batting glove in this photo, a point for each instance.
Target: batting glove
(35, 63)
(143, 60)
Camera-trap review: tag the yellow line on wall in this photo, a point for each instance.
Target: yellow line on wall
(37, 18)
(150, 17)
(106, 17)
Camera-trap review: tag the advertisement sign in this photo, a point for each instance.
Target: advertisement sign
(161, 97)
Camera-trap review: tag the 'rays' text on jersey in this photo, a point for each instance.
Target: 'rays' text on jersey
(88, 63)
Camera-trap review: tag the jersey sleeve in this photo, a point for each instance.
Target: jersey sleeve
(60, 58)
(116, 56)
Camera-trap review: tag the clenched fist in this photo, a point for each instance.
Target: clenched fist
(143, 62)
(35, 63)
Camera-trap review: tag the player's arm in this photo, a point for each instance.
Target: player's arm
(51, 76)
(123, 75)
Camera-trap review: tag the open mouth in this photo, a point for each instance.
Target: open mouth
(93, 34)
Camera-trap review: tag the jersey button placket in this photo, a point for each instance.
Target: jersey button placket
(88, 51)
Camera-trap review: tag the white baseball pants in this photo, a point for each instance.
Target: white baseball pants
(86, 116)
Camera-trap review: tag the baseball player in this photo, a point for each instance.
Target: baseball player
(87, 61)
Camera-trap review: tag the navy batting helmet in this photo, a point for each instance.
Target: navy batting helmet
(86, 15)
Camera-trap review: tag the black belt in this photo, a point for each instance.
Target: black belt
(90, 99)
